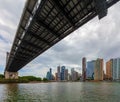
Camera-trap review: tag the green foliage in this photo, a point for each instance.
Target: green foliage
(1, 76)
(45, 79)
(13, 81)
(89, 78)
(23, 79)
(30, 78)
(78, 78)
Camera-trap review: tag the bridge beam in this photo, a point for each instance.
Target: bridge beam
(11, 75)
(59, 6)
(101, 8)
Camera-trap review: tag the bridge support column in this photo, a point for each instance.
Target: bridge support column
(11, 75)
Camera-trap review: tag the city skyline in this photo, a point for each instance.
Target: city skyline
(96, 39)
(62, 74)
(91, 70)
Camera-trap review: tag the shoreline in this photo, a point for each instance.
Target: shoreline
(35, 82)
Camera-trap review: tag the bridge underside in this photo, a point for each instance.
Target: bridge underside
(45, 23)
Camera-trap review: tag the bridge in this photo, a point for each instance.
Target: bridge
(44, 23)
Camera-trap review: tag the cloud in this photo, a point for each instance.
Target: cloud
(97, 38)
(9, 18)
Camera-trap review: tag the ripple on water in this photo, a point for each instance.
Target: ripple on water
(61, 92)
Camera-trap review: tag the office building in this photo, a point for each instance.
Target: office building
(58, 73)
(69, 77)
(116, 68)
(98, 71)
(90, 69)
(74, 75)
(84, 69)
(63, 73)
(66, 74)
(49, 75)
(56, 76)
(109, 70)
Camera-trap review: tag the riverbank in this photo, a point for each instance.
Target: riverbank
(23, 79)
(7, 81)
(2, 81)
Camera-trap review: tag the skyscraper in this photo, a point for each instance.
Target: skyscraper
(56, 76)
(98, 71)
(116, 68)
(66, 74)
(84, 69)
(58, 73)
(63, 73)
(69, 76)
(74, 75)
(90, 69)
(49, 74)
(109, 69)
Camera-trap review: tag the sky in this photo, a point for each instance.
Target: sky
(95, 39)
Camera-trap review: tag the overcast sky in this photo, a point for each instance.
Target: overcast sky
(96, 39)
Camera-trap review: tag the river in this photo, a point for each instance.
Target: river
(61, 92)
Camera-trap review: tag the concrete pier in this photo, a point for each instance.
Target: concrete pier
(11, 75)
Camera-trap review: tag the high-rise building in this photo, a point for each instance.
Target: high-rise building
(53, 77)
(63, 73)
(90, 69)
(58, 73)
(66, 74)
(69, 76)
(74, 75)
(116, 68)
(98, 71)
(84, 69)
(56, 76)
(109, 70)
(49, 74)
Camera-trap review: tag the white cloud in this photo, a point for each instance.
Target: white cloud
(5, 21)
(9, 17)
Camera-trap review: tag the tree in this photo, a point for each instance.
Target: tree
(30, 78)
(1, 76)
(45, 79)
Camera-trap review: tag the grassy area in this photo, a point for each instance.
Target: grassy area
(30, 78)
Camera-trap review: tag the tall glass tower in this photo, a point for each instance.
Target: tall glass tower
(90, 69)
(50, 73)
(63, 73)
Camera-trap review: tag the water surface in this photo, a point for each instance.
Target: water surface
(61, 92)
